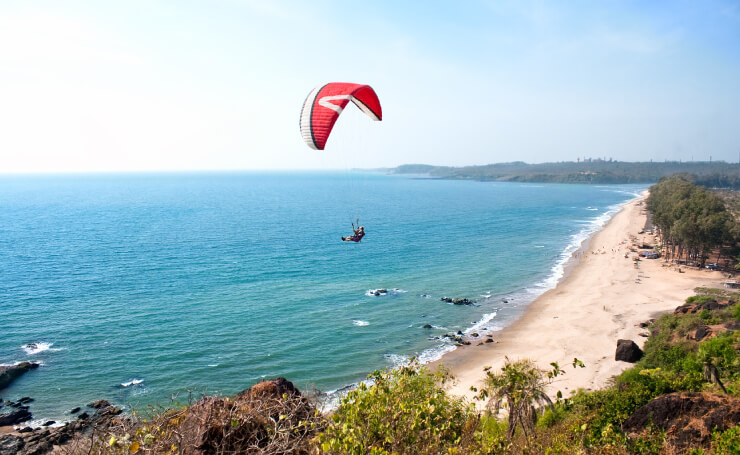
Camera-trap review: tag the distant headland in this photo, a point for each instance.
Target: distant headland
(712, 174)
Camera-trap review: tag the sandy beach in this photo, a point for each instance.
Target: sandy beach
(603, 298)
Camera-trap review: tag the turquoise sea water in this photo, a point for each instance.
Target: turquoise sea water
(138, 287)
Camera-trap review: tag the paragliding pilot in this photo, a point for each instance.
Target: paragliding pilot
(359, 233)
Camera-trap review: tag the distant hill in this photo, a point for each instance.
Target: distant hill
(715, 174)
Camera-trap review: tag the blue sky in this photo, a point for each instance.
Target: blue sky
(183, 85)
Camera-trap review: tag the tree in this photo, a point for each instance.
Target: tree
(520, 387)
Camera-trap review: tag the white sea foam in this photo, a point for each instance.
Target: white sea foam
(558, 270)
(384, 291)
(36, 423)
(35, 348)
(359, 323)
(212, 364)
(133, 381)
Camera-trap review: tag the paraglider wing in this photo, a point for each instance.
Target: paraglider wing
(324, 104)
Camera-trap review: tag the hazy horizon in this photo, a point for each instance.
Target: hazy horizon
(166, 87)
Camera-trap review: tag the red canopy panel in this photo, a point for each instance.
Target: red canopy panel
(324, 104)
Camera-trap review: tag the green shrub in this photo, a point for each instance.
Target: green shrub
(726, 442)
(720, 351)
(700, 298)
(552, 416)
(404, 411)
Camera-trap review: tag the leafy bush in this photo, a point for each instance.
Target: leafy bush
(403, 411)
(726, 442)
(699, 298)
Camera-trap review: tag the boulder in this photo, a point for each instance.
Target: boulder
(732, 325)
(9, 374)
(11, 444)
(427, 326)
(688, 418)
(274, 388)
(446, 299)
(462, 302)
(74, 411)
(100, 404)
(628, 351)
(702, 332)
(15, 417)
(489, 340)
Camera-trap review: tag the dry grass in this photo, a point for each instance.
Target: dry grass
(270, 418)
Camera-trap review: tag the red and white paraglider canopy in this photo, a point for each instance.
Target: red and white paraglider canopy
(324, 104)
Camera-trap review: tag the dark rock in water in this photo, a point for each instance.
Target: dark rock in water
(446, 299)
(41, 441)
(83, 416)
(427, 326)
(74, 411)
(489, 340)
(465, 342)
(459, 332)
(462, 302)
(100, 404)
(474, 334)
(25, 400)
(628, 351)
(9, 374)
(688, 418)
(15, 417)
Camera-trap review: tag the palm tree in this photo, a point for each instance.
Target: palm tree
(520, 387)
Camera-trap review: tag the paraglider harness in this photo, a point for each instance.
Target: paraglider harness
(359, 233)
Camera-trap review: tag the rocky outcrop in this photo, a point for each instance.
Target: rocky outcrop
(273, 388)
(41, 440)
(628, 351)
(688, 418)
(695, 307)
(15, 416)
(9, 374)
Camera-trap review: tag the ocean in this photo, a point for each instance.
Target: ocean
(144, 289)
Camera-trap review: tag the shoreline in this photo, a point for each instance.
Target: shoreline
(600, 298)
